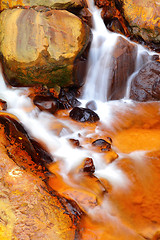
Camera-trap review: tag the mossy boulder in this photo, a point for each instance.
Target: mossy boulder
(41, 47)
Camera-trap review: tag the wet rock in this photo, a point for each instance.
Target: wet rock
(110, 156)
(88, 166)
(42, 154)
(103, 144)
(138, 20)
(155, 57)
(54, 4)
(112, 16)
(74, 142)
(83, 115)
(85, 15)
(91, 105)
(33, 50)
(143, 18)
(123, 65)
(67, 99)
(3, 105)
(146, 85)
(46, 103)
(29, 209)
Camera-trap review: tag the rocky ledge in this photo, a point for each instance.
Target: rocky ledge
(29, 209)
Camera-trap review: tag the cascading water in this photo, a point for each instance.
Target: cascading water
(99, 60)
(40, 125)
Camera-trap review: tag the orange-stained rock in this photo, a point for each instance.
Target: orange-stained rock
(42, 47)
(3, 105)
(82, 187)
(143, 18)
(60, 4)
(28, 209)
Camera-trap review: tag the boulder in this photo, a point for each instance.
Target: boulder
(83, 115)
(122, 66)
(146, 84)
(138, 20)
(143, 18)
(55, 4)
(42, 47)
(29, 209)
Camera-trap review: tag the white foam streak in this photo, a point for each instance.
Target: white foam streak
(99, 60)
(114, 175)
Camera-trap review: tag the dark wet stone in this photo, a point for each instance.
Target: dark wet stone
(3, 105)
(99, 143)
(74, 142)
(106, 148)
(91, 105)
(89, 166)
(83, 115)
(41, 152)
(155, 57)
(146, 84)
(46, 103)
(67, 99)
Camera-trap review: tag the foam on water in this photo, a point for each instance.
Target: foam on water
(39, 123)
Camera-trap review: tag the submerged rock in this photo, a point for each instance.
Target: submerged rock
(29, 209)
(146, 85)
(83, 115)
(55, 4)
(41, 47)
(91, 105)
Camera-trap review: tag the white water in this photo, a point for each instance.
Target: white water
(39, 124)
(100, 59)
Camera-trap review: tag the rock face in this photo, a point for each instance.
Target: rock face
(41, 47)
(123, 62)
(56, 4)
(146, 85)
(138, 19)
(143, 18)
(27, 209)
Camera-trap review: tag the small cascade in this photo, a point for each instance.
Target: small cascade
(119, 169)
(99, 60)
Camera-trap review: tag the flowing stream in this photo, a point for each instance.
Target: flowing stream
(54, 131)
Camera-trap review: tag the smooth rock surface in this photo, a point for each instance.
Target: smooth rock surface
(83, 115)
(41, 47)
(123, 65)
(27, 209)
(146, 85)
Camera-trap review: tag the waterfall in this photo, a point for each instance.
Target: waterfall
(100, 62)
(99, 59)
